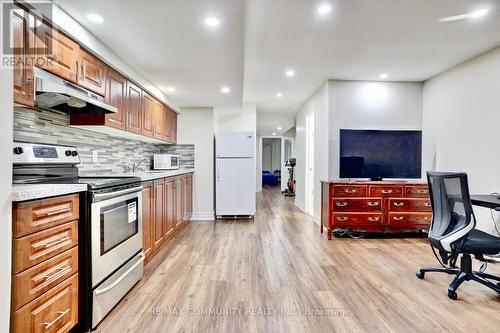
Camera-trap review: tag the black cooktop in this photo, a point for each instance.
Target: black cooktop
(94, 183)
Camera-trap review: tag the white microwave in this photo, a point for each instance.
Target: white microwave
(166, 162)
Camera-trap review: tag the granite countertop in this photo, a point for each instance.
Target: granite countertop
(23, 192)
(148, 175)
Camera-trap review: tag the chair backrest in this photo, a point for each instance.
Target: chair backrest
(452, 214)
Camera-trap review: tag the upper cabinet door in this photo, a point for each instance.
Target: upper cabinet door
(148, 111)
(24, 88)
(116, 95)
(172, 126)
(56, 53)
(91, 73)
(159, 121)
(134, 108)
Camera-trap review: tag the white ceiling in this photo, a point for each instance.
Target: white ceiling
(168, 42)
(358, 40)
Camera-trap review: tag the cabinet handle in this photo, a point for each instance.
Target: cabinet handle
(60, 272)
(386, 191)
(422, 191)
(58, 211)
(59, 317)
(398, 204)
(46, 244)
(341, 204)
(352, 190)
(427, 218)
(427, 204)
(373, 203)
(397, 218)
(373, 219)
(342, 218)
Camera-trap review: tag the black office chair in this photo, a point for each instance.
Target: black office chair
(452, 232)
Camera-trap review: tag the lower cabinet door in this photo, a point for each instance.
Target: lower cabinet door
(147, 219)
(159, 195)
(409, 220)
(54, 312)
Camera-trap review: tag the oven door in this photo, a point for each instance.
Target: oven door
(116, 233)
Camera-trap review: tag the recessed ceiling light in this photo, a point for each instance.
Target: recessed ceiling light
(225, 90)
(274, 133)
(290, 73)
(324, 9)
(171, 89)
(384, 76)
(95, 18)
(279, 95)
(472, 15)
(279, 128)
(212, 21)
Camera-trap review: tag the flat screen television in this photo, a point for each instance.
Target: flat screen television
(378, 154)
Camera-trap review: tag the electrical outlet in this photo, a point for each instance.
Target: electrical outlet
(95, 155)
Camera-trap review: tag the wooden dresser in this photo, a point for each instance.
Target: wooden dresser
(375, 206)
(45, 265)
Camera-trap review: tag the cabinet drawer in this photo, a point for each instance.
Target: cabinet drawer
(416, 191)
(33, 249)
(33, 216)
(357, 204)
(421, 220)
(410, 205)
(54, 312)
(348, 219)
(33, 282)
(350, 190)
(386, 191)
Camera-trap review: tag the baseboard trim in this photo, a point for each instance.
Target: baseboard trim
(203, 216)
(316, 219)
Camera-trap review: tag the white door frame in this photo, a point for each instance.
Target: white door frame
(310, 127)
(281, 138)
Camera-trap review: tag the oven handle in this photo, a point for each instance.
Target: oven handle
(114, 284)
(106, 196)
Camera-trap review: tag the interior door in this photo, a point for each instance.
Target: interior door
(235, 188)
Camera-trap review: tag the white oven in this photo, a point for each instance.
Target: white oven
(166, 162)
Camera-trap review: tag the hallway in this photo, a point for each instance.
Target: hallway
(279, 274)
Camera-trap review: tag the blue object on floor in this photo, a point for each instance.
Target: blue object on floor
(268, 178)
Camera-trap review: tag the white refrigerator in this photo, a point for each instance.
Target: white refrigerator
(235, 174)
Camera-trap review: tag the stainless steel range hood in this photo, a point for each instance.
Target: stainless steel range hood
(55, 93)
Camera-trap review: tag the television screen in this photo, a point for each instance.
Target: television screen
(380, 154)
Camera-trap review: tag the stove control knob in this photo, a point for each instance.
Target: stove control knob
(18, 150)
(74, 153)
(67, 153)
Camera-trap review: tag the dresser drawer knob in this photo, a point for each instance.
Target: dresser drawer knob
(373, 203)
(386, 191)
(350, 190)
(373, 219)
(422, 191)
(341, 204)
(427, 204)
(397, 218)
(427, 218)
(398, 204)
(342, 218)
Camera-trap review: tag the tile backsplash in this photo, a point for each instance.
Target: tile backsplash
(113, 153)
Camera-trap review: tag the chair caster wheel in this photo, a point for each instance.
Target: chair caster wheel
(420, 275)
(452, 294)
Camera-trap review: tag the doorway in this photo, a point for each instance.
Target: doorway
(310, 164)
(272, 161)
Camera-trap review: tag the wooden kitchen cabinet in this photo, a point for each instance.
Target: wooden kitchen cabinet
(148, 114)
(187, 196)
(169, 224)
(134, 109)
(159, 215)
(160, 119)
(147, 219)
(24, 81)
(116, 95)
(91, 73)
(179, 201)
(56, 53)
(173, 126)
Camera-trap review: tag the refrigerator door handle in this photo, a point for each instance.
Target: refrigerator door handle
(218, 170)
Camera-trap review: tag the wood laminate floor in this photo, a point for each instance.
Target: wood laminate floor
(279, 274)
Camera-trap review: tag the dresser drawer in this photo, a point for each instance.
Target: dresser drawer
(357, 204)
(35, 281)
(349, 219)
(410, 205)
(350, 191)
(33, 216)
(422, 220)
(416, 191)
(33, 249)
(56, 311)
(386, 191)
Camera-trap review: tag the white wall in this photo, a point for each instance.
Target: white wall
(461, 117)
(371, 105)
(318, 104)
(6, 106)
(196, 126)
